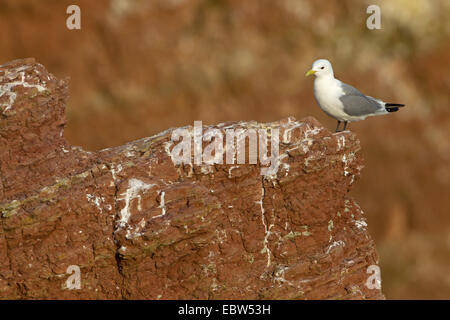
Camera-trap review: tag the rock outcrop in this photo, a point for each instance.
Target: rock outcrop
(139, 226)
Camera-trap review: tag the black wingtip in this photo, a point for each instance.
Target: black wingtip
(391, 109)
(394, 105)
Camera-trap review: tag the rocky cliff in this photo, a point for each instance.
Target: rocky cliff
(139, 226)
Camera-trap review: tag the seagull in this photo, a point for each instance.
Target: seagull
(342, 101)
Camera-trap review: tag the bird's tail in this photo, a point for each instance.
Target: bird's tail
(392, 107)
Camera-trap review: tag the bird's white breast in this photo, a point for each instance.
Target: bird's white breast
(327, 92)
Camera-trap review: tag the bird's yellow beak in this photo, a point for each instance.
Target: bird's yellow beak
(310, 72)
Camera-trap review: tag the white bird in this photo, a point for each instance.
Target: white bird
(342, 101)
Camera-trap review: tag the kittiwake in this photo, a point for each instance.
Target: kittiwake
(342, 101)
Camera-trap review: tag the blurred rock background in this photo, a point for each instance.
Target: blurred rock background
(138, 67)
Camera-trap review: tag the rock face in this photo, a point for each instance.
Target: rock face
(139, 226)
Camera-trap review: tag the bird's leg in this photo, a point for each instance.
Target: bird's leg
(345, 125)
(338, 124)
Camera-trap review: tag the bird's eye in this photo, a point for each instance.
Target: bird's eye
(322, 67)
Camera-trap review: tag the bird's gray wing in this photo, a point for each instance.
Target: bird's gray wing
(357, 104)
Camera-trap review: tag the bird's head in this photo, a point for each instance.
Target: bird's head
(321, 68)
